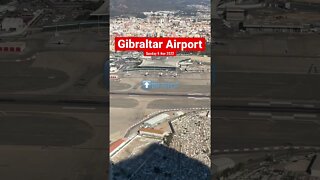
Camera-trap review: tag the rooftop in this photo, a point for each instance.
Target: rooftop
(151, 130)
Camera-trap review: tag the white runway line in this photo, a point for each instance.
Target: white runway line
(259, 114)
(259, 104)
(281, 102)
(80, 108)
(199, 98)
(305, 115)
(308, 105)
(282, 117)
(304, 105)
(191, 94)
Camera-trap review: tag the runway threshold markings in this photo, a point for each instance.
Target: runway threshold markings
(78, 108)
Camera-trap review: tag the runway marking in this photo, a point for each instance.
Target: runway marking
(259, 114)
(259, 104)
(275, 148)
(305, 115)
(304, 105)
(308, 105)
(81, 108)
(281, 102)
(283, 117)
(195, 94)
(203, 98)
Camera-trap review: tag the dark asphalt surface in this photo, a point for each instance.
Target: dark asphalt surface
(261, 101)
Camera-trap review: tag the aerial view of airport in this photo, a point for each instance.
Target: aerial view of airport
(53, 103)
(266, 96)
(160, 116)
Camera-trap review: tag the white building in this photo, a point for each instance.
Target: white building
(113, 69)
(12, 24)
(156, 120)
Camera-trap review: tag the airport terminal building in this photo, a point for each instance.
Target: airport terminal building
(161, 64)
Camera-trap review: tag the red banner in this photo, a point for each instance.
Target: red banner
(159, 46)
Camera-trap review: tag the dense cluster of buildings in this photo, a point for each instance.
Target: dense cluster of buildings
(193, 130)
(176, 149)
(162, 24)
(276, 16)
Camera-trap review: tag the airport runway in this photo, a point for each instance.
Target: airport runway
(251, 128)
(266, 101)
(162, 94)
(51, 133)
(60, 136)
